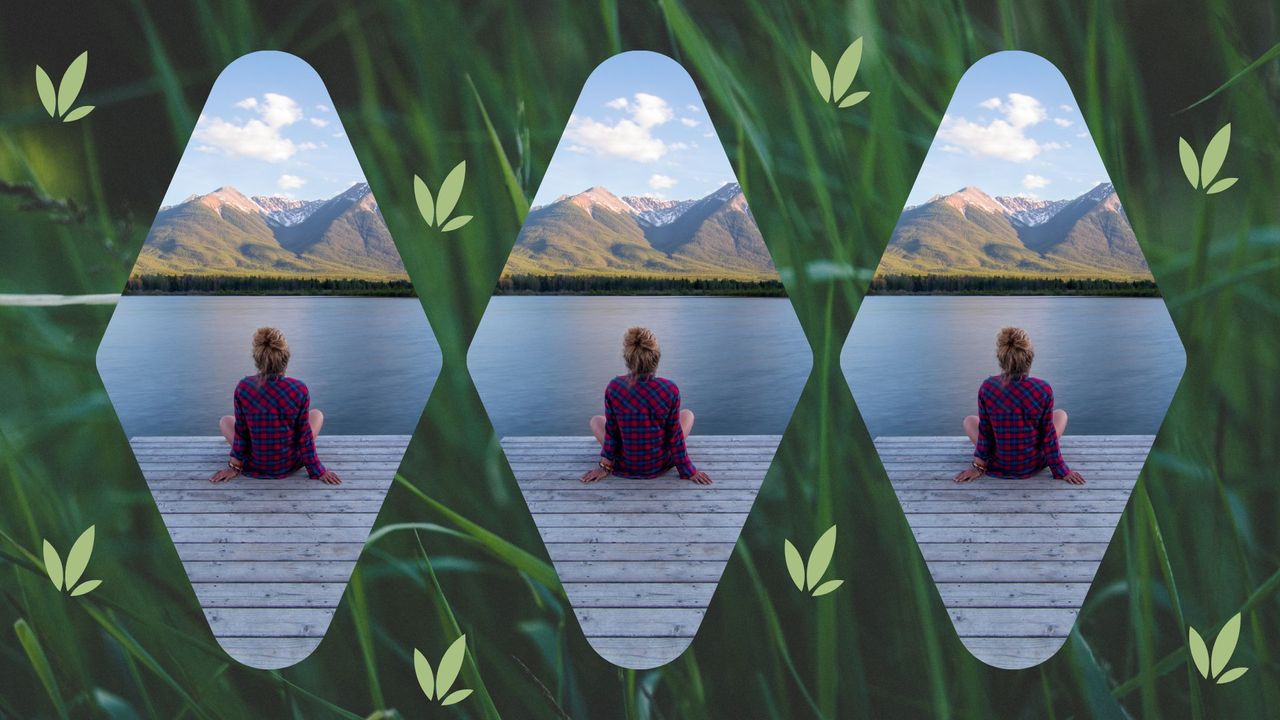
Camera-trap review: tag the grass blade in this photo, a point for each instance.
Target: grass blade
(72, 81)
(422, 668)
(821, 78)
(450, 664)
(1199, 652)
(48, 96)
(1225, 645)
(847, 69)
(426, 205)
(518, 200)
(820, 558)
(450, 191)
(1190, 165)
(1215, 154)
(40, 663)
(78, 558)
(53, 564)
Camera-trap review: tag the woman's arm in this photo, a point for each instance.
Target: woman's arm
(241, 445)
(1049, 441)
(609, 448)
(676, 449)
(306, 441)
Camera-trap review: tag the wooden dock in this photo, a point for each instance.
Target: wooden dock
(1013, 559)
(639, 559)
(269, 559)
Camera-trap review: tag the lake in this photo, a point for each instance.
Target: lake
(541, 363)
(915, 363)
(170, 363)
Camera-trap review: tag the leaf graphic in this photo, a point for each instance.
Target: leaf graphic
(456, 223)
(846, 69)
(53, 565)
(827, 587)
(422, 669)
(1190, 165)
(795, 564)
(86, 587)
(1215, 155)
(78, 558)
(450, 664)
(458, 696)
(821, 77)
(1232, 674)
(1199, 653)
(854, 99)
(72, 81)
(1221, 185)
(450, 191)
(78, 113)
(44, 86)
(1225, 645)
(820, 558)
(426, 205)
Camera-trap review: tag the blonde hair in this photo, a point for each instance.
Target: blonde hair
(1014, 351)
(641, 352)
(270, 351)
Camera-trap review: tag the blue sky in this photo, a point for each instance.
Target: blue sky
(268, 128)
(639, 128)
(1012, 128)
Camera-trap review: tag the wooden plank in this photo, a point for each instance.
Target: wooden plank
(300, 571)
(631, 571)
(269, 594)
(197, 478)
(1013, 653)
(269, 622)
(234, 520)
(599, 504)
(210, 493)
(224, 551)
(234, 504)
(569, 478)
(640, 520)
(186, 462)
(259, 535)
(1068, 571)
(623, 535)
(1013, 535)
(693, 440)
(1013, 622)
(639, 653)
(520, 467)
(640, 551)
(1013, 520)
(1013, 595)
(1012, 506)
(640, 622)
(640, 595)
(688, 490)
(1123, 478)
(1066, 439)
(269, 653)
(320, 441)
(949, 491)
(1012, 551)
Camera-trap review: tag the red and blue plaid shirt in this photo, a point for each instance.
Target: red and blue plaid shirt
(1016, 436)
(642, 433)
(273, 429)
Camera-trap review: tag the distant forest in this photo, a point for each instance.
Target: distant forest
(631, 285)
(257, 285)
(1001, 285)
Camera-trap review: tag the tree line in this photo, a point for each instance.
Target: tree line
(634, 285)
(1008, 285)
(262, 285)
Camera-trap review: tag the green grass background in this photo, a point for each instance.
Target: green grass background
(421, 86)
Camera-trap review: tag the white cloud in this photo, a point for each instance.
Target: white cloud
(279, 110)
(1003, 138)
(631, 138)
(259, 138)
(661, 182)
(1082, 135)
(617, 103)
(324, 108)
(1062, 122)
(689, 122)
(340, 134)
(990, 103)
(318, 122)
(1034, 182)
(693, 108)
(248, 103)
(290, 182)
(1066, 108)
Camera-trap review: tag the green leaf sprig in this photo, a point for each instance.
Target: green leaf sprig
(436, 210)
(436, 685)
(58, 103)
(831, 87)
(1224, 647)
(1201, 173)
(66, 577)
(806, 576)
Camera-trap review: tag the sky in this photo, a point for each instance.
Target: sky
(1012, 128)
(639, 128)
(268, 128)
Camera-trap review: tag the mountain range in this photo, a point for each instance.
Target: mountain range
(598, 233)
(971, 233)
(225, 232)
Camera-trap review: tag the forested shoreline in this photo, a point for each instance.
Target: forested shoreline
(260, 285)
(1006, 285)
(634, 285)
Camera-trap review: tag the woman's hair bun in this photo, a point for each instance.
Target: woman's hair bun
(1013, 338)
(640, 338)
(1014, 351)
(269, 338)
(640, 351)
(270, 351)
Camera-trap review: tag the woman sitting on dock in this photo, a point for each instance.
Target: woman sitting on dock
(1015, 433)
(642, 431)
(273, 431)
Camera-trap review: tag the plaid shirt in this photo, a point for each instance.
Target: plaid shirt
(273, 432)
(1016, 436)
(642, 433)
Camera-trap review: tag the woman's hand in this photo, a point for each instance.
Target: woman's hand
(700, 478)
(968, 475)
(224, 475)
(330, 478)
(1074, 478)
(595, 474)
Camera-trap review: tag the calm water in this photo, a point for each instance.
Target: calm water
(915, 363)
(170, 364)
(541, 363)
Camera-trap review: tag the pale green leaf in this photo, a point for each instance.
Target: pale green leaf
(426, 205)
(1215, 155)
(820, 558)
(821, 77)
(53, 565)
(854, 99)
(846, 69)
(86, 587)
(78, 113)
(78, 558)
(40, 663)
(422, 668)
(1221, 185)
(795, 564)
(450, 664)
(1225, 645)
(1232, 674)
(827, 587)
(72, 81)
(1199, 653)
(48, 97)
(1190, 165)
(450, 191)
(456, 223)
(457, 696)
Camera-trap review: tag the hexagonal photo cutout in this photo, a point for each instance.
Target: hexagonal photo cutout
(269, 359)
(640, 360)
(1014, 360)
